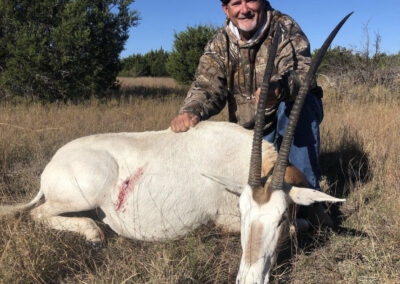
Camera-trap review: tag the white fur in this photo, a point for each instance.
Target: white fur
(172, 196)
(268, 214)
(178, 185)
(306, 196)
(271, 216)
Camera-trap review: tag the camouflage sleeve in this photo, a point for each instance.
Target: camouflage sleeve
(293, 60)
(207, 94)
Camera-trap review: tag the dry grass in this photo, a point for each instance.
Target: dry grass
(150, 87)
(360, 160)
(151, 82)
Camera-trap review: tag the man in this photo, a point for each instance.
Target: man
(231, 71)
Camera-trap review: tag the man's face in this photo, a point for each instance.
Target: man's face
(246, 15)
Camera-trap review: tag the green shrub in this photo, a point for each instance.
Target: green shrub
(62, 49)
(187, 49)
(150, 64)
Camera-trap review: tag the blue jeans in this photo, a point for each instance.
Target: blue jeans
(304, 152)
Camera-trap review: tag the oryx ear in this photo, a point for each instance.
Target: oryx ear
(228, 184)
(307, 196)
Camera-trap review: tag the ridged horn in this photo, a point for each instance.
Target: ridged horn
(255, 160)
(282, 161)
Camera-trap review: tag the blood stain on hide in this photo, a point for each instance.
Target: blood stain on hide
(127, 186)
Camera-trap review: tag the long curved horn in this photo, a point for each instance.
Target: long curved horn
(282, 161)
(255, 160)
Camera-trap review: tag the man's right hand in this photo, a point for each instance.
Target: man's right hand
(184, 121)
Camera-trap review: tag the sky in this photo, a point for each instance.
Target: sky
(160, 19)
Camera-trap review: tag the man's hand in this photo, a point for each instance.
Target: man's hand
(184, 121)
(272, 94)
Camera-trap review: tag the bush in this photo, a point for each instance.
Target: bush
(360, 67)
(151, 64)
(187, 49)
(62, 50)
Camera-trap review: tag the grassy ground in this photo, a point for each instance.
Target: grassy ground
(360, 159)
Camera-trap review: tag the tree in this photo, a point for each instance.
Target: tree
(151, 64)
(187, 49)
(338, 59)
(62, 49)
(157, 62)
(134, 66)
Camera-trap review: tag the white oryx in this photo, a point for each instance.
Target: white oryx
(161, 185)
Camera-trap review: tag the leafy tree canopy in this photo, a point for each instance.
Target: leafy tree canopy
(62, 49)
(187, 49)
(150, 64)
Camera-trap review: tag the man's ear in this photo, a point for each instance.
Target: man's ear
(307, 196)
(225, 8)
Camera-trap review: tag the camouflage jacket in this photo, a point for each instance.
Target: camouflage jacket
(231, 70)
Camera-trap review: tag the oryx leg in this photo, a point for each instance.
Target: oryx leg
(49, 214)
(74, 182)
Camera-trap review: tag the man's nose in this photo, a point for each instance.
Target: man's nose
(243, 8)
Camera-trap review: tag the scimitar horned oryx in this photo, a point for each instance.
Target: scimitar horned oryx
(160, 185)
(263, 207)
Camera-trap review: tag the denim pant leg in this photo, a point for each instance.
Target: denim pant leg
(304, 152)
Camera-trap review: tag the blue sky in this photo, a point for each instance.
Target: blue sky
(160, 19)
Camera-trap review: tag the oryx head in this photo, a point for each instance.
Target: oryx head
(263, 207)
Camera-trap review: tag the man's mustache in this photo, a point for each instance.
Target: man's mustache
(246, 16)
